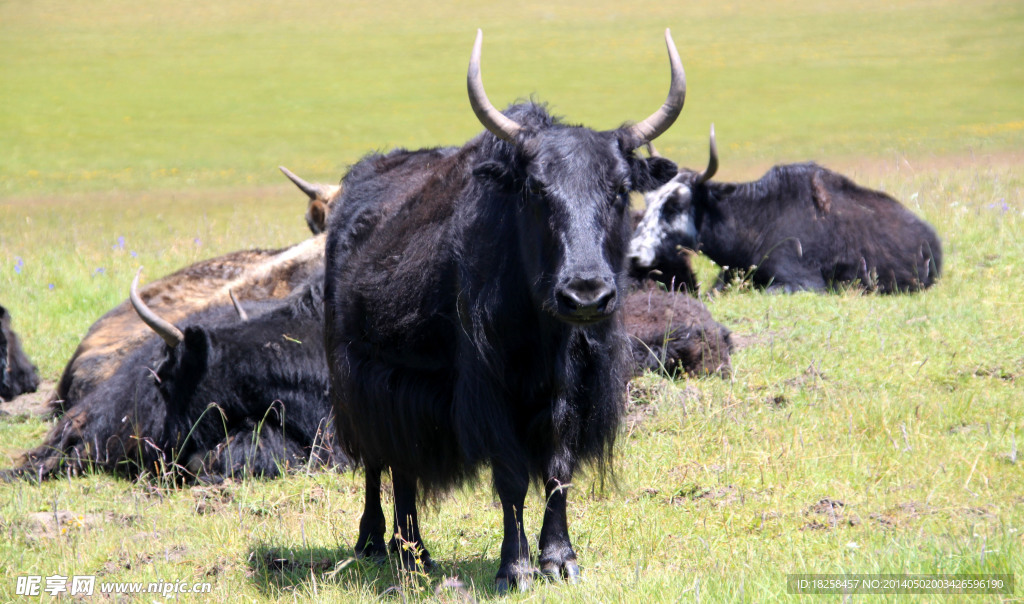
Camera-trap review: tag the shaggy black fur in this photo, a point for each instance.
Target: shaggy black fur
(17, 373)
(180, 297)
(236, 398)
(472, 320)
(801, 226)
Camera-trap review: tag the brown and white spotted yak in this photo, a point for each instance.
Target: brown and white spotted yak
(799, 227)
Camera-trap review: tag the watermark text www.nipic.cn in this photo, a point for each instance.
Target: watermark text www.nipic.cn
(86, 585)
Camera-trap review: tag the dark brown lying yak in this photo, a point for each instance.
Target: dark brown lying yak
(800, 227)
(675, 333)
(219, 396)
(473, 318)
(17, 373)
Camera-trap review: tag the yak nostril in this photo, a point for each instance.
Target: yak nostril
(587, 296)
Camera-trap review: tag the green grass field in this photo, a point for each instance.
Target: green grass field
(859, 434)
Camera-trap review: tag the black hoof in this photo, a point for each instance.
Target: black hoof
(372, 549)
(520, 579)
(568, 570)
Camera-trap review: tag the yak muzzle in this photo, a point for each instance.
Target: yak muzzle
(586, 299)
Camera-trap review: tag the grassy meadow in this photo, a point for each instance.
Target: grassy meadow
(858, 434)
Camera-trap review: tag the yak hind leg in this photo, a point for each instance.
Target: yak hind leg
(407, 542)
(557, 558)
(372, 525)
(515, 570)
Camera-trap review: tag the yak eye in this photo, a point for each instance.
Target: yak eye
(535, 187)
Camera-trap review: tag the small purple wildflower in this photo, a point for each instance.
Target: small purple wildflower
(120, 244)
(1002, 206)
(196, 241)
(19, 264)
(50, 287)
(134, 254)
(99, 271)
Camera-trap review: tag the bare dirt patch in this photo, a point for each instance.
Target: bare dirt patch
(211, 499)
(32, 404)
(50, 525)
(827, 514)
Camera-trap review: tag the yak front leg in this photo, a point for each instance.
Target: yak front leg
(515, 570)
(557, 558)
(407, 542)
(372, 525)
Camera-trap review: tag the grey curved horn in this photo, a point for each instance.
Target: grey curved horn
(313, 191)
(712, 160)
(492, 119)
(163, 328)
(660, 121)
(238, 307)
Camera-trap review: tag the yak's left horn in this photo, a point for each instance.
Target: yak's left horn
(314, 191)
(660, 121)
(163, 328)
(712, 160)
(504, 128)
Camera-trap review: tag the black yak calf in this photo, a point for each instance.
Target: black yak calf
(472, 318)
(219, 397)
(672, 332)
(801, 226)
(17, 373)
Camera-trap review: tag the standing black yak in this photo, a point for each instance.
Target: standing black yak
(472, 317)
(801, 226)
(17, 373)
(221, 396)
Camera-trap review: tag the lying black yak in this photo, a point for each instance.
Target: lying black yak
(250, 274)
(219, 396)
(17, 373)
(800, 227)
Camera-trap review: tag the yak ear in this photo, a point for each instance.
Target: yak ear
(186, 364)
(662, 170)
(651, 173)
(495, 172)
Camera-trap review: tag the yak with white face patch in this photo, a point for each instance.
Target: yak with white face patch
(799, 227)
